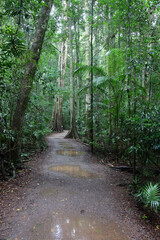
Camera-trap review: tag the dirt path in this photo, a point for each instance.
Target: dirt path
(71, 196)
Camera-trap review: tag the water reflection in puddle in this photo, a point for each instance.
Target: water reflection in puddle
(71, 153)
(49, 191)
(68, 147)
(58, 227)
(63, 144)
(74, 171)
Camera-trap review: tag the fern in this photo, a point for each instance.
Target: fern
(150, 196)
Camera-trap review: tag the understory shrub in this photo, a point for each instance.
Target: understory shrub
(149, 195)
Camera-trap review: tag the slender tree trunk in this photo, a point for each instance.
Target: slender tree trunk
(129, 56)
(76, 27)
(107, 38)
(72, 132)
(58, 101)
(134, 133)
(150, 90)
(91, 117)
(119, 36)
(87, 62)
(27, 80)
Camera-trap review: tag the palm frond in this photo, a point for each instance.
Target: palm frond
(150, 195)
(102, 81)
(88, 68)
(83, 89)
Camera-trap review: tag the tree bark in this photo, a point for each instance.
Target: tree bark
(27, 80)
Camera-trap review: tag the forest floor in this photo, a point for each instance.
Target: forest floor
(65, 194)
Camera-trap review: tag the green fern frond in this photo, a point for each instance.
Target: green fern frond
(150, 196)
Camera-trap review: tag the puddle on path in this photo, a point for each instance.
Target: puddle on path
(63, 144)
(74, 171)
(68, 147)
(49, 191)
(58, 227)
(71, 153)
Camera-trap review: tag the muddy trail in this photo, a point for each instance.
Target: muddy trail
(72, 196)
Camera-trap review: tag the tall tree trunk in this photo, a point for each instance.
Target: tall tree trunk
(72, 132)
(27, 80)
(76, 28)
(58, 100)
(134, 130)
(87, 62)
(108, 69)
(129, 59)
(91, 117)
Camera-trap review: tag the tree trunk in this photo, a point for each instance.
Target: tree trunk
(27, 80)
(72, 132)
(91, 117)
(87, 63)
(134, 130)
(58, 101)
(129, 59)
(77, 38)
